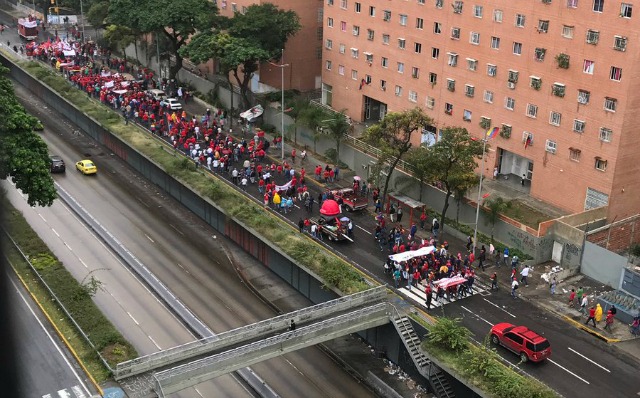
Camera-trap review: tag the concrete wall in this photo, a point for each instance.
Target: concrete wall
(631, 282)
(602, 265)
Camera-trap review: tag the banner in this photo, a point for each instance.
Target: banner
(283, 187)
(423, 251)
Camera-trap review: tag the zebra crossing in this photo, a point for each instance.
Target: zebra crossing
(418, 295)
(72, 392)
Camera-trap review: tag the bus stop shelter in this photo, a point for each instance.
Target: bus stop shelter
(415, 207)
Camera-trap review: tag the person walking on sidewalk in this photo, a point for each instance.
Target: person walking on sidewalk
(552, 285)
(598, 313)
(482, 257)
(525, 274)
(514, 287)
(572, 298)
(428, 292)
(609, 322)
(506, 256)
(584, 303)
(592, 316)
(494, 281)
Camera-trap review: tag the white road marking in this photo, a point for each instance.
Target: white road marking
(476, 315)
(148, 237)
(78, 391)
(154, 342)
(64, 393)
(498, 307)
(176, 229)
(43, 219)
(83, 263)
(68, 247)
(55, 232)
(183, 268)
(134, 319)
(590, 360)
(199, 393)
(567, 370)
(46, 396)
(364, 230)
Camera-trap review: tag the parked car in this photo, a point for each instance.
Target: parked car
(156, 94)
(86, 167)
(522, 341)
(57, 164)
(173, 104)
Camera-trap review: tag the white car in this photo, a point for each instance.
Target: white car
(173, 104)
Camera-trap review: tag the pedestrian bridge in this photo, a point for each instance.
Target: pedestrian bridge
(177, 368)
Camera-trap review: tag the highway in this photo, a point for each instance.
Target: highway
(179, 249)
(45, 369)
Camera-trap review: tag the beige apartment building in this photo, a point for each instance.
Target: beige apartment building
(558, 77)
(303, 52)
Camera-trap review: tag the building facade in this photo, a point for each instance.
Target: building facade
(556, 76)
(303, 52)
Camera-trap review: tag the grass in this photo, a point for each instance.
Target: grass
(525, 214)
(103, 335)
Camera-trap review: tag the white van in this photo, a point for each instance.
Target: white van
(156, 94)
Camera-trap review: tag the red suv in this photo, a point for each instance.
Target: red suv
(524, 342)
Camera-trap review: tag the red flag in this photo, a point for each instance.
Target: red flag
(486, 195)
(527, 142)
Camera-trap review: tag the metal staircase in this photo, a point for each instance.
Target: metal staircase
(437, 380)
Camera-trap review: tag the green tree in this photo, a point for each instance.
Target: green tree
(392, 136)
(312, 117)
(97, 14)
(119, 37)
(295, 108)
(177, 20)
(496, 207)
(452, 162)
(418, 164)
(23, 154)
(337, 127)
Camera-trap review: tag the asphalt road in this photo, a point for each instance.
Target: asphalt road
(181, 251)
(45, 367)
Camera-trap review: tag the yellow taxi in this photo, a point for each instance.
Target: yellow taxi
(86, 167)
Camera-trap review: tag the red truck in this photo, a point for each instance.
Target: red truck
(28, 28)
(351, 201)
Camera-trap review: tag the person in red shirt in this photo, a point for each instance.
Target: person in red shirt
(428, 292)
(293, 155)
(318, 172)
(572, 297)
(592, 316)
(303, 172)
(261, 185)
(279, 168)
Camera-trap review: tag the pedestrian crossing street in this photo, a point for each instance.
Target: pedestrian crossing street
(418, 295)
(73, 392)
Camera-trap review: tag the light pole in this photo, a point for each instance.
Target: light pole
(281, 66)
(475, 230)
(82, 16)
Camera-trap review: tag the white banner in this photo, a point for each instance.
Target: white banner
(283, 187)
(423, 251)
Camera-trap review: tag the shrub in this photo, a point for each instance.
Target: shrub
(449, 334)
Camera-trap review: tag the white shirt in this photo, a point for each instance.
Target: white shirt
(525, 271)
(244, 181)
(234, 173)
(514, 284)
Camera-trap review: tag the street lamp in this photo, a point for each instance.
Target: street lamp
(82, 16)
(281, 66)
(475, 230)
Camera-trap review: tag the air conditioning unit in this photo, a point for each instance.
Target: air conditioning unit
(511, 85)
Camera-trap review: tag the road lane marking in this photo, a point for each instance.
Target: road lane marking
(134, 319)
(364, 229)
(154, 342)
(78, 391)
(64, 393)
(83, 263)
(148, 237)
(183, 268)
(199, 393)
(55, 232)
(590, 360)
(567, 370)
(476, 315)
(43, 219)
(498, 307)
(176, 229)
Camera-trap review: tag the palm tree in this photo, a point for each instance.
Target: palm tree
(416, 160)
(496, 207)
(337, 128)
(295, 110)
(312, 117)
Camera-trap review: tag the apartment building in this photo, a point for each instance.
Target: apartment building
(303, 52)
(558, 77)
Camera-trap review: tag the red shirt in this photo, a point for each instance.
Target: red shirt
(592, 312)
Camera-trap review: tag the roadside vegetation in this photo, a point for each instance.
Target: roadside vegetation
(74, 296)
(480, 365)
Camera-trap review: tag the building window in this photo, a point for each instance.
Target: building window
(520, 19)
(320, 15)
(527, 138)
(453, 59)
(448, 108)
(371, 34)
(417, 48)
(555, 118)
(505, 130)
(477, 11)
(495, 43)
(419, 23)
(535, 82)
(451, 85)
(455, 33)
(355, 53)
(369, 58)
(402, 44)
(330, 22)
(415, 72)
(437, 28)
(431, 102)
(354, 74)
(356, 31)
(615, 74)
(579, 125)
(341, 70)
(488, 96)
(574, 154)
(433, 78)
(328, 65)
(509, 103)
(358, 7)
(472, 64)
(567, 31)
(319, 32)
(550, 146)
(403, 20)
(619, 43)
(598, 5)
(517, 48)
(413, 96)
(583, 97)
(421, 1)
(385, 38)
(605, 134)
(601, 164)
(329, 2)
(558, 89)
(457, 7)
(466, 115)
(588, 66)
(572, 3)
(492, 70)
(372, 11)
(383, 85)
(400, 67)
(343, 26)
(532, 110)
(625, 10)
(593, 36)
(469, 90)
(435, 53)
(386, 15)
(342, 48)
(328, 44)
(513, 76)
(439, 3)
(474, 38)
(398, 91)
(543, 26)
(497, 16)
(610, 104)
(343, 4)
(539, 54)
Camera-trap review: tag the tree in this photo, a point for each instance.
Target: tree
(392, 136)
(452, 161)
(496, 207)
(257, 36)
(337, 127)
(23, 154)
(295, 109)
(119, 37)
(177, 20)
(312, 117)
(417, 163)
(97, 14)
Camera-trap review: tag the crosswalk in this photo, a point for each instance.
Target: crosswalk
(73, 392)
(418, 295)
